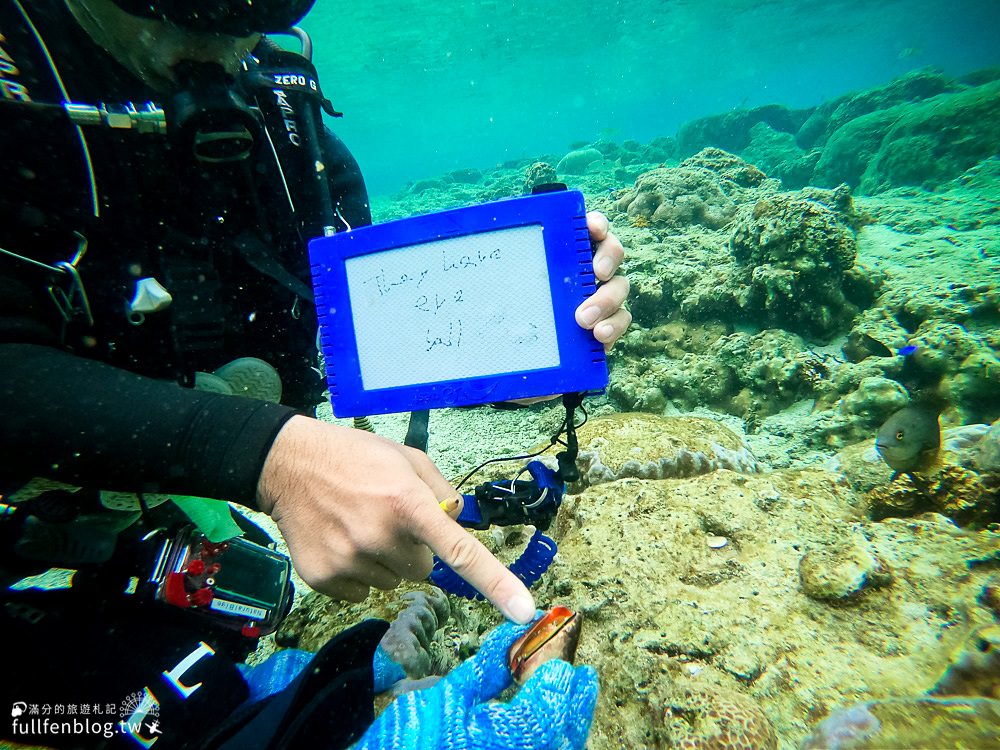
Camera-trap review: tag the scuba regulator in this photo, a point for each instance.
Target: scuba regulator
(208, 118)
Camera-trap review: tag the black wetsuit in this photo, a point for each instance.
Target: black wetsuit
(107, 404)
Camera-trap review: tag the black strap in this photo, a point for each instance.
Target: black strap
(330, 705)
(259, 257)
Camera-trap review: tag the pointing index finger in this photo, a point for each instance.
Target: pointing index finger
(468, 557)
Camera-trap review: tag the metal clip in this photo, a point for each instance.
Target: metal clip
(72, 301)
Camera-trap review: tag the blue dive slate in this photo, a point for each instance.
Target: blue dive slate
(461, 307)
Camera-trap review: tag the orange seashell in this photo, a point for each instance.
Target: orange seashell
(555, 636)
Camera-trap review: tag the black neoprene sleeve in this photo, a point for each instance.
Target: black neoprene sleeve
(87, 423)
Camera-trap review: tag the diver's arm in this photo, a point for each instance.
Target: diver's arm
(87, 423)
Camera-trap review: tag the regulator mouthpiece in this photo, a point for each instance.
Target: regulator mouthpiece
(208, 118)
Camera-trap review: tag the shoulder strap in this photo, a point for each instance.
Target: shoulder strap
(287, 90)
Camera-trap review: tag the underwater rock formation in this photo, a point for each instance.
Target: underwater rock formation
(874, 400)
(914, 86)
(672, 362)
(929, 143)
(689, 381)
(667, 609)
(737, 177)
(673, 339)
(732, 130)
(704, 719)
(576, 162)
(852, 147)
(875, 333)
(793, 253)
(774, 369)
(975, 665)
(539, 173)
(918, 140)
(777, 154)
(677, 197)
(656, 447)
(839, 571)
(961, 494)
(988, 456)
(912, 723)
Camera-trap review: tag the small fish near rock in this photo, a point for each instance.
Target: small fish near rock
(910, 439)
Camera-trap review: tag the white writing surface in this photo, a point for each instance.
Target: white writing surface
(453, 309)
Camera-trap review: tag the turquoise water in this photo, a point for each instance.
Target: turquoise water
(428, 87)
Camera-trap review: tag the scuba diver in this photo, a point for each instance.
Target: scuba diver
(164, 164)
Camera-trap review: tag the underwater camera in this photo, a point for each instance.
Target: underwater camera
(237, 584)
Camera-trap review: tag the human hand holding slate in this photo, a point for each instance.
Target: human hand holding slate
(473, 305)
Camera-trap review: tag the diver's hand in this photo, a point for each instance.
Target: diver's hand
(358, 510)
(552, 710)
(602, 312)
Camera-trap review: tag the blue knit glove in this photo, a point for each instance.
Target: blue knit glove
(553, 709)
(274, 674)
(278, 671)
(386, 671)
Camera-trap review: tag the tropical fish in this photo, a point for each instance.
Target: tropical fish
(555, 636)
(910, 439)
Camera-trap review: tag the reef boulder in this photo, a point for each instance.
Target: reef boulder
(677, 197)
(912, 723)
(793, 253)
(931, 142)
(651, 446)
(577, 162)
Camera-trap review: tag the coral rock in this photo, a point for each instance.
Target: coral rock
(677, 197)
(730, 168)
(912, 723)
(975, 667)
(953, 491)
(702, 719)
(539, 173)
(576, 162)
(793, 253)
(839, 571)
(648, 446)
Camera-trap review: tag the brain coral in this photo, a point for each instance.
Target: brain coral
(702, 719)
(793, 253)
(678, 196)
